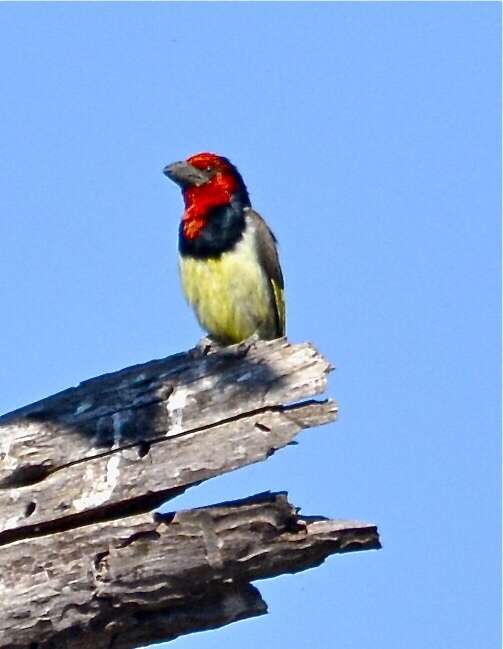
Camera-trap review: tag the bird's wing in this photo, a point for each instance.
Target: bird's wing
(269, 260)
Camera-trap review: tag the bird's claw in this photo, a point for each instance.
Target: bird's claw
(245, 345)
(207, 346)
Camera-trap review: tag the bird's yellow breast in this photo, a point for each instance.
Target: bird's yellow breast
(230, 294)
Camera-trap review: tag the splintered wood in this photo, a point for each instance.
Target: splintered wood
(85, 564)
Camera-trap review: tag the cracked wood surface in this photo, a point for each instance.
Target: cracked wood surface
(146, 433)
(84, 563)
(150, 577)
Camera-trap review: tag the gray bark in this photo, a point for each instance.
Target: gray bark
(85, 564)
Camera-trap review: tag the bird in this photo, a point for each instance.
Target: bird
(228, 256)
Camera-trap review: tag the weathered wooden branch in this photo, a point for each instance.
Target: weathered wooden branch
(84, 563)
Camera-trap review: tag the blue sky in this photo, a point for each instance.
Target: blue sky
(369, 136)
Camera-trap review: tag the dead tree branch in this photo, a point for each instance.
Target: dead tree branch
(86, 564)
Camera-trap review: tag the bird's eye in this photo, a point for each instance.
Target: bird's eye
(209, 168)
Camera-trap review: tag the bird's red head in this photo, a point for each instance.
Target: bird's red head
(207, 181)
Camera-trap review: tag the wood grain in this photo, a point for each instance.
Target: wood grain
(84, 561)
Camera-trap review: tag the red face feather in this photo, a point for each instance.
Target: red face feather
(200, 200)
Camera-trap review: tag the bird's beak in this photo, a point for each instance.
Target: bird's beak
(185, 175)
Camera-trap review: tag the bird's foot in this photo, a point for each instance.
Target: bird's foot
(249, 342)
(206, 346)
(239, 350)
